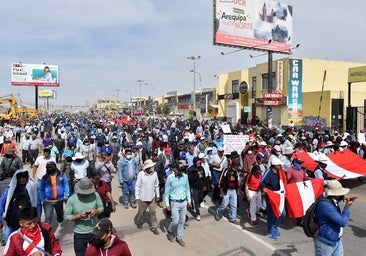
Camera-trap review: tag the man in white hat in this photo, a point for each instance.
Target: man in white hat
(147, 194)
(79, 167)
(320, 172)
(272, 180)
(332, 220)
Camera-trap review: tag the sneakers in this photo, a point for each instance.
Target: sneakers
(60, 225)
(202, 205)
(126, 206)
(133, 205)
(181, 242)
(198, 217)
(272, 235)
(155, 231)
(254, 223)
(235, 222)
(276, 231)
(170, 236)
(218, 217)
(161, 204)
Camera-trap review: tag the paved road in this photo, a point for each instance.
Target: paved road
(209, 237)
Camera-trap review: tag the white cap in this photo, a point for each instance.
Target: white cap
(276, 161)
(201, 155)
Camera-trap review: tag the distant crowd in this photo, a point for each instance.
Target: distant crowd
(175, 164)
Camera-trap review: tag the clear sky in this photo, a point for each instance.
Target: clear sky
(102, 46)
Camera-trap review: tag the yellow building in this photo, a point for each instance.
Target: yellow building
(302, 90)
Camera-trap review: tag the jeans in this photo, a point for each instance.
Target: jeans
(323, 249)
(7, 231)
(272, 222)
(81, 241)
(25, 156)
(230, 198)
(48, 211)
(178, 218)
(128, 188)
(152, 210)
(215, 180)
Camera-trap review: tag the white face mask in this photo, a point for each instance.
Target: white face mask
(128, 157)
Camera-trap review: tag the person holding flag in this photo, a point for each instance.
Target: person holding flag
(273, 188)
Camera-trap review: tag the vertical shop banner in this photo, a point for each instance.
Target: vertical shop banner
(294, 103)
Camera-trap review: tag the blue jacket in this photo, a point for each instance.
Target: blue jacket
(45, 187)
(330, 219)
(123, 167)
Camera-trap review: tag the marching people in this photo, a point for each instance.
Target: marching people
(253, 193)
(21, 192)
(39, 166)
(229, 185)
(79, 167)
(127, 174)
(273, 180)
(218, 162)
(177, 197)
(9, 165)
(197, 183)
(105, 194)
(33, 237)
(332, 220)
(147, 194)
(34, 148)
(83, 209)
(106, 242)
(53, 192)
(106, 168)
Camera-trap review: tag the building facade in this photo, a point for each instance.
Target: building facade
(309, 92)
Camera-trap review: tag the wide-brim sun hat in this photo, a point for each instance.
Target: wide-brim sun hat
(148, 164)
(322, 159)
(78, 155)
(84, 187)
(334, 188)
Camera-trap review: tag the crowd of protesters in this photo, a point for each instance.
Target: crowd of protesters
(165, 162)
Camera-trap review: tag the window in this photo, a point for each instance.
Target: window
(254, 87)
(235, 86)
(265, 82)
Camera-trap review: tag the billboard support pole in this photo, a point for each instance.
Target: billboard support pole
(269, 108)
(36, 96)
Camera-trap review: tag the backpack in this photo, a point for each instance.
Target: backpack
(19, 200)
(309, 226)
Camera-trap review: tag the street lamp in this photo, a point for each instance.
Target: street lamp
(199, 74)
(152, 87)
(194, 58)
(130, 101)
(140, 81)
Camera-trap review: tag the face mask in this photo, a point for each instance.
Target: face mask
(249, 152)
(236, 162)
(198, 165)
(51, 171)
(98, 242)
(128, 157)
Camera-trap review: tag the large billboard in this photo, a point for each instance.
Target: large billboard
(34, 74)
(294, 103)
(255, 24)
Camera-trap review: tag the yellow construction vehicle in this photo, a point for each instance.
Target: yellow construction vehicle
(14, 111)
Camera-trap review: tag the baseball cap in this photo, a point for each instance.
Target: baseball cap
(103, 226)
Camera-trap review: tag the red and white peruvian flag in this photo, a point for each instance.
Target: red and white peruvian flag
(277, 198)
(300, 195)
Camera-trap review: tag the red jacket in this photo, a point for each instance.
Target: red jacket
(117, 247)
(14, 245)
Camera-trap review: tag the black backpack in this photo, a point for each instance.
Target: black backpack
(309, 226)
(19, 200)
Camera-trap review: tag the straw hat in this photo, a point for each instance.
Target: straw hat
(322, 159)
(148, 164)
(334, 188)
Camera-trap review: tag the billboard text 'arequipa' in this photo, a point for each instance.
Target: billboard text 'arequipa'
(35, 75)
(255, 24)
